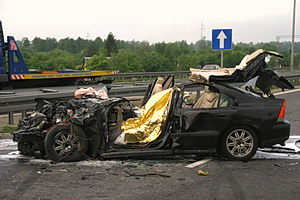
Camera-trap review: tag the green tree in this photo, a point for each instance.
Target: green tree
(67, 44)
(55, 60)
(233, 58)
(126, 61)
(184, 47)
(111, 45)
(99, 61)
(25, 42)
(209, 57)
(48, 44)
(160, 48)
(92, 49)
(153, 62)
(186, 61)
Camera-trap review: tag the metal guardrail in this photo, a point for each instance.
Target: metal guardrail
(142, 75)
(180, 74)
(10, 103)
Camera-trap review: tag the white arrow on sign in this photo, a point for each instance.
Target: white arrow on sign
(221, 38)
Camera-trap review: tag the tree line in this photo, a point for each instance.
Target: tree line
(139, 56)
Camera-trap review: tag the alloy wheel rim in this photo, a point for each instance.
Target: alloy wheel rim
(239, 143)
(65, 143)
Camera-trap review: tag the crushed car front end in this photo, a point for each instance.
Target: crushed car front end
(88, 115)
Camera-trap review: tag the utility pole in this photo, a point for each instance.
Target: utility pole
(88, 35)
(202, 29)
(293, 37)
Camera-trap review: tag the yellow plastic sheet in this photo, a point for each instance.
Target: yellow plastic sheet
(149, 126)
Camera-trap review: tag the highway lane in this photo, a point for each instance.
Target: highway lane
(292, 109)
(36, 91)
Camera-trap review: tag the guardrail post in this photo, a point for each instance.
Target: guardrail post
(11, 118)
(23, 113)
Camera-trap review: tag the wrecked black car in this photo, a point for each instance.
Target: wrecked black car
(198, 117)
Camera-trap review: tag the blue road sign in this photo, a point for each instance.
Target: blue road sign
(221, 39)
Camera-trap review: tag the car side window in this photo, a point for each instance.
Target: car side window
(225, 101)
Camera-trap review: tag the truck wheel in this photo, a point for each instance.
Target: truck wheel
(65, 142)
(239, 143)
(79, 82)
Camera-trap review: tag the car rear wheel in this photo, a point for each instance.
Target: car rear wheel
(239, 143)
(65, 142)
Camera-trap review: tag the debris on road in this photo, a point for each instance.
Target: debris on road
(148, 174)
(202, 173)
(295, 163)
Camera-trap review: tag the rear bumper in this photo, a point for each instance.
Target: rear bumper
(279, 134)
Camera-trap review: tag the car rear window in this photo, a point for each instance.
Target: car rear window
(245, 91)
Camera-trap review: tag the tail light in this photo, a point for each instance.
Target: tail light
(282, 111)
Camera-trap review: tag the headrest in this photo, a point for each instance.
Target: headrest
(160, 80)
(206, 89)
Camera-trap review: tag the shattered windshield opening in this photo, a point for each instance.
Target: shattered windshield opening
(241, 90)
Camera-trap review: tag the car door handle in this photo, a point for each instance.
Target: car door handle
(222, 115)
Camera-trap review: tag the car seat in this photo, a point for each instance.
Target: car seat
(207, 100)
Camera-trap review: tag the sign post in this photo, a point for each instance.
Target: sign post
(221, 40)
(222, 59)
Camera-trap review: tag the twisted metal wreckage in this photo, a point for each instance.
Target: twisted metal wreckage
(92, 124)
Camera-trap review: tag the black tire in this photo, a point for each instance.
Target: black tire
(79, 82)
(62, 144)
(239, 143)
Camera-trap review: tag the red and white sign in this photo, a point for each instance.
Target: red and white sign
(13, 45)
(17, 77)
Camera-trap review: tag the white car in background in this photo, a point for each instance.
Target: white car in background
(211, 67)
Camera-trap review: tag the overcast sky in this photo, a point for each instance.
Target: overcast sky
(150, 20)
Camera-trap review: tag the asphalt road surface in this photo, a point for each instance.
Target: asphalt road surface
(292, 109)
(268, 175)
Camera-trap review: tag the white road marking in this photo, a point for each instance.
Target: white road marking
(275, 156)
(200, 162)
(14, 153)
(294, 137)
(7, 144)
(286, 92)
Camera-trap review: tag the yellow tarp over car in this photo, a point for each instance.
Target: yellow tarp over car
(148, 127)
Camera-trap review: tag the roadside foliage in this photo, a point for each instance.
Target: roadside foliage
(136, 56)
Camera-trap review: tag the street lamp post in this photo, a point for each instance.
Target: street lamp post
(293, 37)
